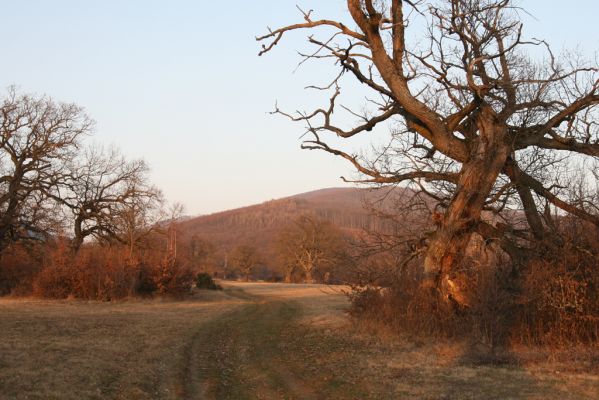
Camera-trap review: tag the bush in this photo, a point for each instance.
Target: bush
(93, 274)
(559, 300)
(54, 282)
(98, 271)
(173, 279)
(57, 278)
(204, 281)
(18, 266)
(145, 281)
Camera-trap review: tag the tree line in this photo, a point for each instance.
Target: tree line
(308, 249)
(53, 183)
(59, 194)
(82, 220)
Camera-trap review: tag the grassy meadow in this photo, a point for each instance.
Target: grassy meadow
(250, 341)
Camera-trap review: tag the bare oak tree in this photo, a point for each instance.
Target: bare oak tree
(245, 258)
(309, 244)
(138, 216)
(476, 122)
(97, 183)
(37, 138)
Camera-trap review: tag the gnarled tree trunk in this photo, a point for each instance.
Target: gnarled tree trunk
(476, 179)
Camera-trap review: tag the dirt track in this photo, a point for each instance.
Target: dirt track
(246, 354)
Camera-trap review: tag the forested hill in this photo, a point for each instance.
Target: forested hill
(258, 225)
(342, 206)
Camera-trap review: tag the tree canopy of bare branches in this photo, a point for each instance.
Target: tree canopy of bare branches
(476, 122)
(38, 137)
(95, 188)
(50, 181)
(309, 244)
(245, 258)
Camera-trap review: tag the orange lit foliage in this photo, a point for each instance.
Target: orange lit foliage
(106, 273)
(18, 265)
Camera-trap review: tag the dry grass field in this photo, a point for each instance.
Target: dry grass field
(91, 350)
(252, 341)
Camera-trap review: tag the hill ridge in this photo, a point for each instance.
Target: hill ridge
(258, 225)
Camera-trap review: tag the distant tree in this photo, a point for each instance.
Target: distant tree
(174, 213)
(245, 258)
(477, 124)
(38, 137)
(201, 252)
(310, 244)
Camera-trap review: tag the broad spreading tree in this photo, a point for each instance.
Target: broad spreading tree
(38, 138)
(138, 216)
(245, 258)
(489, 124)
(310, 245)
(50, 183)
(94, 189)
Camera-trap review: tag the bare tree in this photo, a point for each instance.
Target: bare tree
(245, 258)
(476, 123)
(139, 216)
(95, 186)
(310, 244)
(175, 212)
(37, 138)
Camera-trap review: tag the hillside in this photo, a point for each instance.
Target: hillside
(258, 225)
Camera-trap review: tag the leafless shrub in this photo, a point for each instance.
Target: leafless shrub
(91, 274)
(559, 301)
(18, 265)
(107, 273)
(173, 278)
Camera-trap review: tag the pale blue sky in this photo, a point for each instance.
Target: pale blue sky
(179, 84)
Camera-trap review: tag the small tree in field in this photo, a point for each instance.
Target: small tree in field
(139, 216)
(245, 258)
(475, 123)
(309, 244)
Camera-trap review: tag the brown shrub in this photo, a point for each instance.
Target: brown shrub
(98, 273)
(173, 278)
(105, 274)
(98, 270)
(56, 279)
(145, 281)
(94, 273)
(559, 300)
(18, 266)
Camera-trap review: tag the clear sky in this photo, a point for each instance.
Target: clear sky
(179, 83)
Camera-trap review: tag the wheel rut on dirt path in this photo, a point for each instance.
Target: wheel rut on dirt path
(240, 355)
